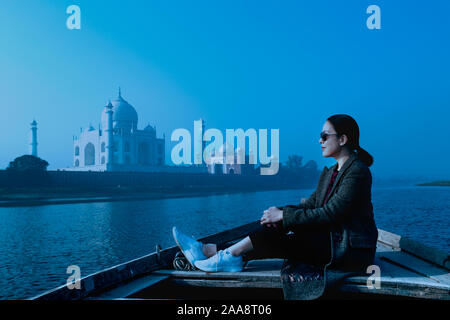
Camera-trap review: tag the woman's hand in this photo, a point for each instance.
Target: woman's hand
(272, 216)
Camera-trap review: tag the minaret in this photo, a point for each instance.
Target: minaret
(109, 136)
(33, 139)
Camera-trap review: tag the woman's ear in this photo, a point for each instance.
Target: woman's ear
(343, 140)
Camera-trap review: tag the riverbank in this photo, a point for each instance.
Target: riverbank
(21, 197)
(436, 184)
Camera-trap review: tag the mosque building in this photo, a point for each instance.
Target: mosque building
(118, 144)
(229, 161)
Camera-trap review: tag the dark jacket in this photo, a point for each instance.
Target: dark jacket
(348, 213)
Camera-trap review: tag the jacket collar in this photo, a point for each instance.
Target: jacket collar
(344, 168)
(347, 164)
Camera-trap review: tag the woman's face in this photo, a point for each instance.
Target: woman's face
(330, 142)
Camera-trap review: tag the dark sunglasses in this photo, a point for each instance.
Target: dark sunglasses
(324, 136)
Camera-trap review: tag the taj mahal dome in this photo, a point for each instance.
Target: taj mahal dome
(117, 144)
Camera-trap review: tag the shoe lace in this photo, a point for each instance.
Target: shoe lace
(220, 255)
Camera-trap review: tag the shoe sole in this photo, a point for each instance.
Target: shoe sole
(225, 270)
(179, 246)
(222, 270)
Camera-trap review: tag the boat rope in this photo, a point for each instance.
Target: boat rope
(181, 263)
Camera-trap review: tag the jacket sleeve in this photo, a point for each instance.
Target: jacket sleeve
(309, 203)
(352, 187)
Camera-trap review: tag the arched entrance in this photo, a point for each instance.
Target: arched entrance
(218, 168)
(89, 155)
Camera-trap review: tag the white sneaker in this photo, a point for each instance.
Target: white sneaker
(222, 261)
(191, 248)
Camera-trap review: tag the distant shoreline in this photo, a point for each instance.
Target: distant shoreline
(25, 197)
(444, 183)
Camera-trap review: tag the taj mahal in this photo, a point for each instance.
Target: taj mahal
(117, 144)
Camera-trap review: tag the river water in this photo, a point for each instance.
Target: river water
(37, 244)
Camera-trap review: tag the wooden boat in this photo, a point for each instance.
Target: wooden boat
(408, 270)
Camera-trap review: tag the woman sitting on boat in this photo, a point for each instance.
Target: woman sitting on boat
(335, 224)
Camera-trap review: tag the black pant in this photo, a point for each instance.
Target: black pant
(311, 247)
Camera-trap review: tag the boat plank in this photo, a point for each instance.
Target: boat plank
(130, 288)
(392, 290)
(420, 266)
(255, 269)
(142, 299)
(409, 282)
(391, 273)
(402, 275)
(264, 264)
(227, 283)
(243, 276)
(389, 239)
(430, 254)
(381, 247)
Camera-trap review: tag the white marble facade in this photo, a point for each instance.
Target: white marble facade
(229, 161)
(118, 144)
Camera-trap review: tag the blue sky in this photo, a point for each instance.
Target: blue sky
(238, 64)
